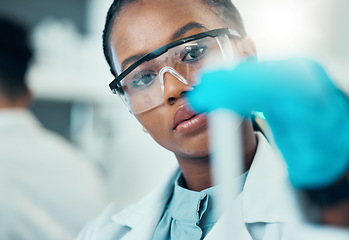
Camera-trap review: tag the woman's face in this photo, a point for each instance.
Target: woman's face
(145, 26)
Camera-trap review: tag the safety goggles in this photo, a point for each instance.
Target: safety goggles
(141, 85)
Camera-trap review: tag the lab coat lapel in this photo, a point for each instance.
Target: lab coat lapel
(268, 195)
(231, 224)
(142, 218)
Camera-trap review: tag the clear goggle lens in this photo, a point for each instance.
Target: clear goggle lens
(143, 88)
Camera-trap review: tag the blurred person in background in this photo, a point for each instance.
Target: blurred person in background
(47, 189)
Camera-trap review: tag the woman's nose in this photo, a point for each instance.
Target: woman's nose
(174, 88)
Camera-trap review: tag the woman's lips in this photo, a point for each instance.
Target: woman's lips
(185, 121)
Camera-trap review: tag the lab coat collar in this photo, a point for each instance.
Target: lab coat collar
(143, 217)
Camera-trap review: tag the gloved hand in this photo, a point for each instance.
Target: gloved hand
(308, 115)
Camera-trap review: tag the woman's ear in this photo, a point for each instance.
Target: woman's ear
(248, 47)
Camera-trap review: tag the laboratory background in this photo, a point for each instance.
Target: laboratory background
(69, 76)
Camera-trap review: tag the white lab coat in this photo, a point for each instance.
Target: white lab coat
(47, 190)
(266, 203)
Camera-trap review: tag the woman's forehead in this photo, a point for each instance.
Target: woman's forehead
(147, 25)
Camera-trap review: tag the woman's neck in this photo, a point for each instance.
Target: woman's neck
(197, 171)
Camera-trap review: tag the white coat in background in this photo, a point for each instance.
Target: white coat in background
(47, 190)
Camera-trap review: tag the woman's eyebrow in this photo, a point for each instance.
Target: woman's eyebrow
(129, 60)
(187, 28)
(175, 36)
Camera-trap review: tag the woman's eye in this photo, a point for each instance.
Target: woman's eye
(193, 53)
(143, 79)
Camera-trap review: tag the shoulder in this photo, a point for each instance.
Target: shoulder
(114, 223)
(99, 225)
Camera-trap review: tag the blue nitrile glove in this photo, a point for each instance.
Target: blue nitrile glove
(308, 115)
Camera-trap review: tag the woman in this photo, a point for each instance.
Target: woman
(155, 49)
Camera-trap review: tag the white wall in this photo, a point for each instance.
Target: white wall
(311, 28)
